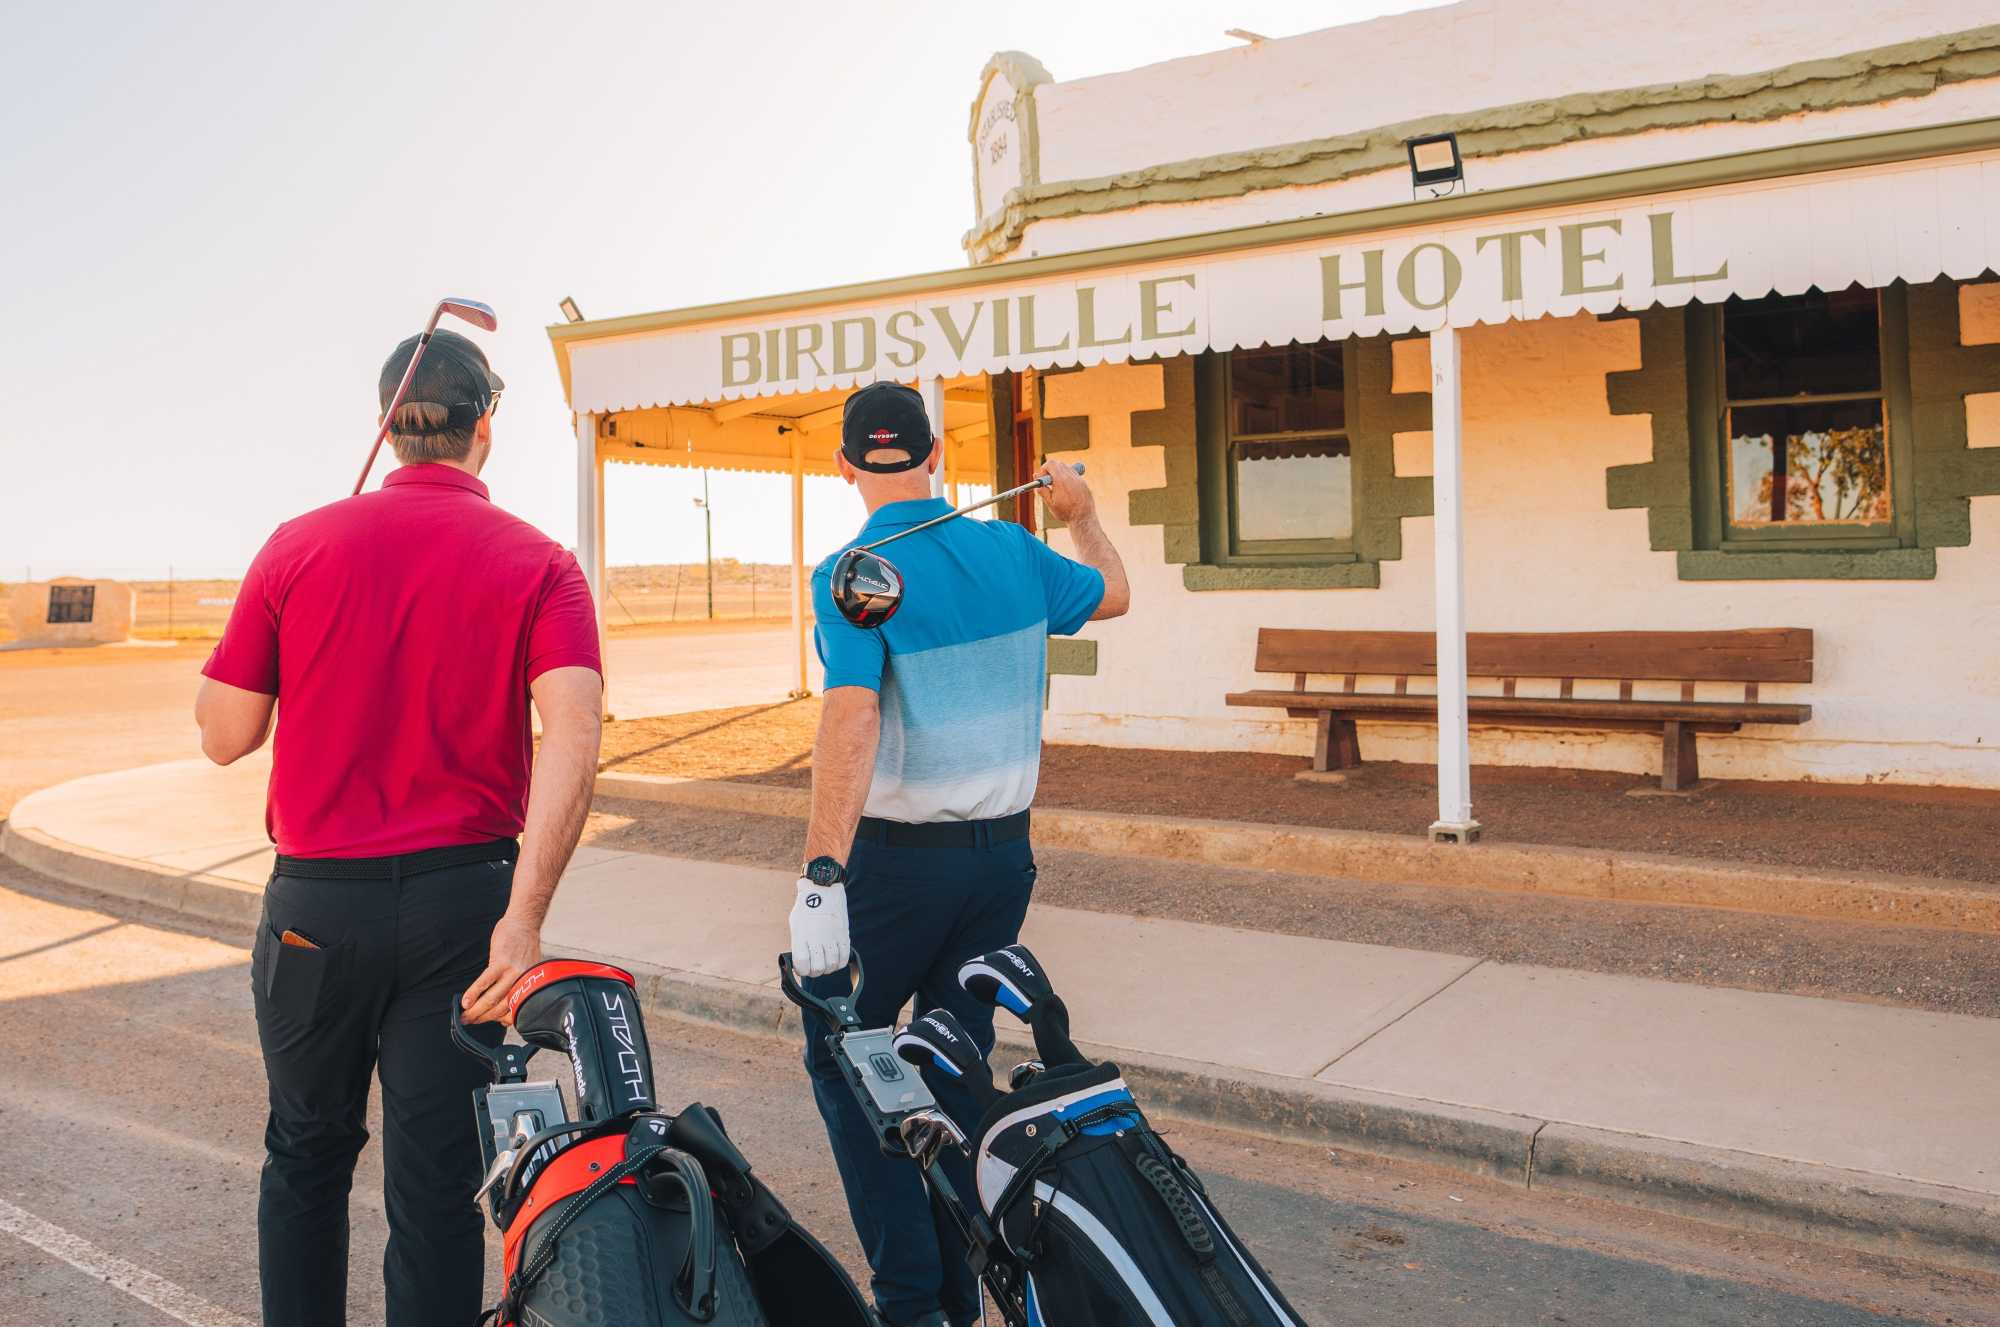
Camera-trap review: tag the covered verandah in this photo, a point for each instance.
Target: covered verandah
(737, 380)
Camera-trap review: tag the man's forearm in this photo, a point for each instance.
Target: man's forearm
(1094, 549)
(843, 764)
(558, 802)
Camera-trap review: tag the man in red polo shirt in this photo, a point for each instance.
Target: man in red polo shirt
(401, 635)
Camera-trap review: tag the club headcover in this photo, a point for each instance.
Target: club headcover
(1014, 979)
(1010, 979)
(938, 1042)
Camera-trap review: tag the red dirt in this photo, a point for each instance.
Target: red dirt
(1941, 833)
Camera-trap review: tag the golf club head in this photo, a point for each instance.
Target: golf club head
(1024, 1073)
(867, 588)
(472, 311)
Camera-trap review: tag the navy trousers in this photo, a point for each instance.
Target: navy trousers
(914, 915)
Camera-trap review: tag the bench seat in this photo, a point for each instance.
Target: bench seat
(1746, 658)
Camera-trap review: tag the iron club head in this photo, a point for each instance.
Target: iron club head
(472, 311)
(867, 588)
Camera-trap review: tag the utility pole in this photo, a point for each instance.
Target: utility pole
(708, 534)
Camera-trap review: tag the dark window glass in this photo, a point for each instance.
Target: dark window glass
(1290, 474)
(1804, 420)
(72, 603)
(1296, 389)
(1802, 345)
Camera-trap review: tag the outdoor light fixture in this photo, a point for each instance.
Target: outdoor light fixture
(570, 311)
(1434, 162)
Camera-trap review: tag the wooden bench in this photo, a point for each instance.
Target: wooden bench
(1748, 658)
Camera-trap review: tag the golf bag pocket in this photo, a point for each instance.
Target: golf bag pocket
(622, 1231)
(1111, 1228)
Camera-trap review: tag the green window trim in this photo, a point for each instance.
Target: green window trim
(1714, 532)
(1381, 497)
(1934, 475)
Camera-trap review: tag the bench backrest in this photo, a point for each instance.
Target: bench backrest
(1758, 654)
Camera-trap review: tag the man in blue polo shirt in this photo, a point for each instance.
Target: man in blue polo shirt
(929, 747)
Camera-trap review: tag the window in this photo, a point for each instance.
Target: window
(1287, 461)
(1800, 397)
(72, 603)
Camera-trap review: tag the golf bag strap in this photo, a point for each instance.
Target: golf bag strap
(1168, 1181)
(696, 1282)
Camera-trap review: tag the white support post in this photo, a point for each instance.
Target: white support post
(801, 613)
(590, 525)
(932, 390)
(1454, 823)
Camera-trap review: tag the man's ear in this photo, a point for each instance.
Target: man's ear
(936, 458)
(845, 466)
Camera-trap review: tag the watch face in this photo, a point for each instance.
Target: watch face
(824, 871)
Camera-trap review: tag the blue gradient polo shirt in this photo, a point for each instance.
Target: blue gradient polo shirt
(962, 666)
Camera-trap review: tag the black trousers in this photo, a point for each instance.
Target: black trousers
(395, 953)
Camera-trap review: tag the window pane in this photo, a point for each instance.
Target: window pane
(1798, 345)
(1294, 490)
(1807, 464)
(1296, 389)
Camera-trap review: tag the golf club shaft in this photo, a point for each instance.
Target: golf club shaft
(389, 415)
(1040, 481)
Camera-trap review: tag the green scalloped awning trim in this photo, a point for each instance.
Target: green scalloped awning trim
(1069, 657)
(1861, 78)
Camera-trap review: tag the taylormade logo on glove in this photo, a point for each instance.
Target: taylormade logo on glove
(819, 929)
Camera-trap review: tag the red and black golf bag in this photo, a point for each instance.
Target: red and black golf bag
(627, 1216)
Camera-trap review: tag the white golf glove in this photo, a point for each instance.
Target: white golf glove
(819, 929)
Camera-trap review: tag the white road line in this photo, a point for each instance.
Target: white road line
(114, 1271)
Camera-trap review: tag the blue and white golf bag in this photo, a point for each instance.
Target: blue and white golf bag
(1107, 1226)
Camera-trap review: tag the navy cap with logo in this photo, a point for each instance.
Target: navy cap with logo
(885, 415)
(453, 374)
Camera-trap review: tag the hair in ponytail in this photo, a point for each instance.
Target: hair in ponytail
(422, 431)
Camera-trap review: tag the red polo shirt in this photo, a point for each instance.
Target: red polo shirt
(399, 631)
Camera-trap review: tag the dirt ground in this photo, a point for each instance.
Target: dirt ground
(1946, 971)
(1940, 833)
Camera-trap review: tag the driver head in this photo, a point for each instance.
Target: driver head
(867, 588)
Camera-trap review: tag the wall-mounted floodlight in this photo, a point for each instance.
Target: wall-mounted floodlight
(1435, 164)
(570, 311)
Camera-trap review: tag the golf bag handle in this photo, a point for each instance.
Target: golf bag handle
(837, 1010)
(505, 1063)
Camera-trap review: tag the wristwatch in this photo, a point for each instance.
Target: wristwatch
(825, 872)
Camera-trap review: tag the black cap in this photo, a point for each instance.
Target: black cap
(885, 414)
(453, 374)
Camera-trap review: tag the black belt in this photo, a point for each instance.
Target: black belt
(398, 866)
(943, 833)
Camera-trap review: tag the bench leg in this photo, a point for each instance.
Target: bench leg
(1335, 745)
(1680, 763)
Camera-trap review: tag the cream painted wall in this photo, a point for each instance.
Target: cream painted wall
(1908, 680)
(1962, 101)
(1460, 57)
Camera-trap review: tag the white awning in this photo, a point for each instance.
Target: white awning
(1459, 261)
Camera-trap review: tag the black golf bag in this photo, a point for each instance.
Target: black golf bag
(628, 1216)
(1084, 1217)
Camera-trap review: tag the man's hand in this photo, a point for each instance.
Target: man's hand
(819, 929)
(516, 947)
(1067, 496)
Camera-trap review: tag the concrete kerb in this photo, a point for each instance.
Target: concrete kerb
(193, 893)
(1400, 859)
(1874, 1212)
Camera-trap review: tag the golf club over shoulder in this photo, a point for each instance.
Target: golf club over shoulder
(867, 587)
(470, 310)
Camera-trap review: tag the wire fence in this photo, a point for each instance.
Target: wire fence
(171, 604)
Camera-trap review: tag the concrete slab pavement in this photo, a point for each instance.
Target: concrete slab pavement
(1724, 1102)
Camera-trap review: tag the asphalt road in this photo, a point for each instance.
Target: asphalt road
(131, 1113)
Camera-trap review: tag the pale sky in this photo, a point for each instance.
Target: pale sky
(218, 218)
